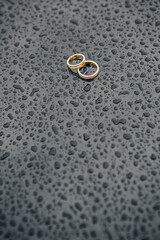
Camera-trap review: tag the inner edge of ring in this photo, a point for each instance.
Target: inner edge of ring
(78, 66)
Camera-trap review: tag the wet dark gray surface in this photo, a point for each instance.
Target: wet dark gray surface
(79, 160)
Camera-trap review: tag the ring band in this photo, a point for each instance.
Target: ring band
(88, 76)
(76, 66)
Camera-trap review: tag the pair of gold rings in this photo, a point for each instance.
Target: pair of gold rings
(81, 65)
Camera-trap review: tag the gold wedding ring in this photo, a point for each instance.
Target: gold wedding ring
(89, 76)
(81, 65)
(73, 57)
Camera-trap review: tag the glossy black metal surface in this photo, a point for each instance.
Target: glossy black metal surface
(79, 160)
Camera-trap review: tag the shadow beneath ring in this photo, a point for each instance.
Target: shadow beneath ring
(89, 80)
